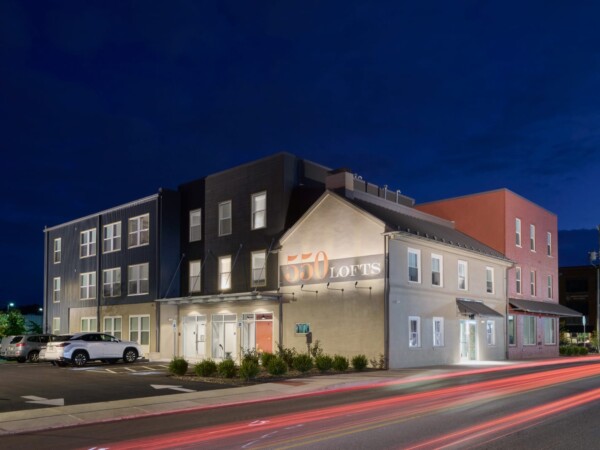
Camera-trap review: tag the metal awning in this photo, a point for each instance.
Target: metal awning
(217, 298)
(470, 307)
(533, 306)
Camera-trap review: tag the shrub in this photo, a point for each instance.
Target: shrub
(277, 366)
(359, 362)
(583, 350)
(178, 366)
(249, 369)
(315, 349)
(206, 368)
(226, 368)
(340, 363)
(287, 354)
(303, 362)
(265, 359)
(323, 362)
(378, 363)
(251, 355)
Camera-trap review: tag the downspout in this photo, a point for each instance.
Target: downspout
(506, 341)
(386, 303)
(157, 271)
(99, 280)
(45, 298)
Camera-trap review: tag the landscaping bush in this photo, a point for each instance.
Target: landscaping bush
(359, 362)
(378, 363)
(226, 368)
(266, 358)
(178, 366)
(323, 362)
(340, 363)
(583, 350)
(287, 354)
(315, 349)
(251, 355)
(303, 362)
(277, 366)
(206, 368)
(249, 369)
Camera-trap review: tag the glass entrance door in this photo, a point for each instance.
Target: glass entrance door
(468, 340)
(194, 337)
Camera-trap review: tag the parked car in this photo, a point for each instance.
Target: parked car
(4, 345)
(79, 348)
(26, 347)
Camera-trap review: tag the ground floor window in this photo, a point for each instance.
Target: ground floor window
(224, 339)
(549, 330)
(89, 324)
(438, 331)
(56, 325)
(257, 332)
(529, 330)
(112, 326)
(491, 332)
(511, 331)
(414, 331)
(139, 329)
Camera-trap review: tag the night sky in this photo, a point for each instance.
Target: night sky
(105, 102)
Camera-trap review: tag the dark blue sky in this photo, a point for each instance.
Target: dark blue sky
(104, 102)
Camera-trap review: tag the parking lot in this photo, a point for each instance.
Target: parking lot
(38, 385)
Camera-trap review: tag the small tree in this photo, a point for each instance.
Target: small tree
(12, 323)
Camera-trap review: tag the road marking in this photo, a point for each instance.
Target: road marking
(44, 401)
(175, 388)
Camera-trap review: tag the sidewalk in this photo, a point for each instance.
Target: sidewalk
(65, 416)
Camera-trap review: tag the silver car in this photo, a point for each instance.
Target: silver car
(79, 348)
(4, 346)
(26, 347)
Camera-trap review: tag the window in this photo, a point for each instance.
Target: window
(518, 232)
(55, 325)
(489, 280)
(111, 282)
(224, 340)
(56, 290)
(549, 244)
(462, 275)
(490, 329)
(438, 331)
(302, 328)
(225, 218)
(550, 286)
(414, 331)
(532, 276)
(57, 250)
(195, 225)
(414, 265)
(112, 237)
(87, 243)
(518, 279)
(139, 231)
(113, 326)
(225, 272)
(89, 324)
(194, 280)
(532, 238)
(259, 210)
(529, 330)
(549, 330)
(511, 331)
(259, 269)
(436, 270)
(137, 277)
(139, 329)
(87, 285)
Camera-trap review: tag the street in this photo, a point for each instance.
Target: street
(538, 406)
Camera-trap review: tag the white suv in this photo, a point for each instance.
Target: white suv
(79, 348)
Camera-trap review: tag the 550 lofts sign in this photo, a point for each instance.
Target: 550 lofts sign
(311, 268)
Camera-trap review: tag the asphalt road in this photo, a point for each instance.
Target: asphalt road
(543, 407)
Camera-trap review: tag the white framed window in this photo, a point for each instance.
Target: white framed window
(87, 285)
(438, 331)
(113, 325)
(463, 275)
(490, 329)
(518, 280)
(224, 273)
(111, 238)
(532, 277)
(529, 331)
(224, 339)
(532, 238)
(138, 231)
(196, 225)
(225, 218)
(57, 250)
(259, 210)
(56, 325)
(512, 328)
(111, 282)
(549, 244)
(550, 291)
(437, 270)
(549, 330)
(414, 331)
(518, 232)
(56, 290)
(489, 280)
(139, 329)
(259, 268)
(194, 276)
(89, 324)
(137, 279)
(87, 243)
(414, 265)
